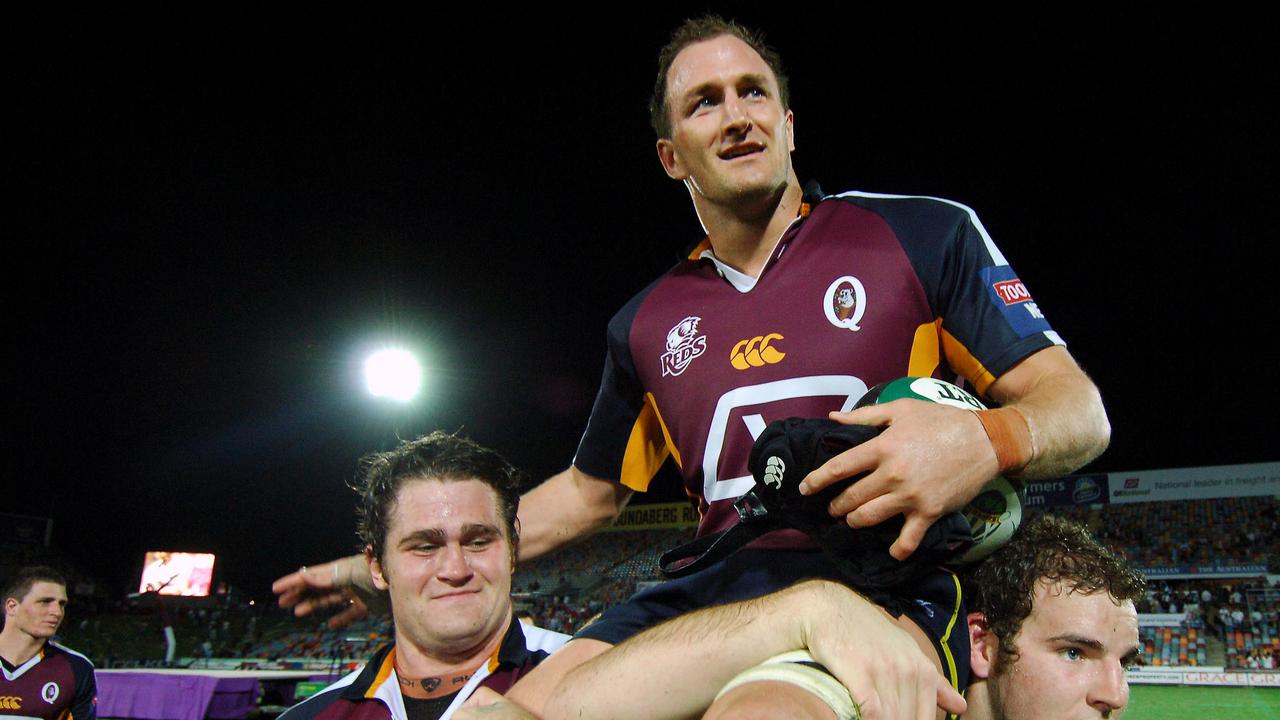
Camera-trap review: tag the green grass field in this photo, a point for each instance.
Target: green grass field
(1173, 702)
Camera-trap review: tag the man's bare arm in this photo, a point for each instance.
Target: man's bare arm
(566, 507)
(1069, 425)
(675, 669)
(932, 458)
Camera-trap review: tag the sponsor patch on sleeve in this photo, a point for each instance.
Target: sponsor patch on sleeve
(1011, 297)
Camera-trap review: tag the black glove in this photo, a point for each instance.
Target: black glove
(782, 456)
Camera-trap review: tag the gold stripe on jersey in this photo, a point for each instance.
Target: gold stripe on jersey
(924, 350)
(925, 356)
(946, 636)
(388, 664)
(644, 454)
(964, 363)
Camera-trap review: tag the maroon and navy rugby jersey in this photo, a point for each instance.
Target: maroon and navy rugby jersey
(862, 289)
(56, 684)
(373, 692)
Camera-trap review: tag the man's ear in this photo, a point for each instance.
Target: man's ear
(375, 569)
(10, 606)
(791, 131)
(983, 646)
(515, 546)
(670, 160)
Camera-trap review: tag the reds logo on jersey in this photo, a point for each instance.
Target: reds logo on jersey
(684, 345)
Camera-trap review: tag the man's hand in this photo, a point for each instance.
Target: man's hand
(344, 582)
(930, 460)
(486, 704)
(882, 662)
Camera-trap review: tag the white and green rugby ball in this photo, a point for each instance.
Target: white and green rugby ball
(997, 511)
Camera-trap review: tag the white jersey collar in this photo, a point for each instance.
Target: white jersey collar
(741, 281)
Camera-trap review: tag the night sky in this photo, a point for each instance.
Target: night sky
(211, 224)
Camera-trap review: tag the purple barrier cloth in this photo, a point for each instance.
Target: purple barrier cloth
(156, 696)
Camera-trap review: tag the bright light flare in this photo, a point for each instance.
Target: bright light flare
(394, 374)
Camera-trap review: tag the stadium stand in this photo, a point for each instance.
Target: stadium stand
(1231, 621)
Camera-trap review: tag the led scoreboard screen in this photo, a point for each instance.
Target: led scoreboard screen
(177, 573)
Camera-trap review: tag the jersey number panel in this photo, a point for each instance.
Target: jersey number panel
(740, 410)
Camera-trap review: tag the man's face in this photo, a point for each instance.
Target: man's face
(1072, 651)
(731, 139)
(447, 563)
(39, 613)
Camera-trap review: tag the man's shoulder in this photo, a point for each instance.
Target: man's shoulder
(52, 648)
(622, 319)
(339, 701)
(356, 695)
(527, 645)
(909, 214)
(538, 639)
(927, 227)
(898, 203)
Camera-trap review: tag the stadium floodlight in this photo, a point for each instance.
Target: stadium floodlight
(393, 373)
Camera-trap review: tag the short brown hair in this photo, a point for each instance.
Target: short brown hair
(20, 585)
(696, 30)
(1049, 549)
(438, 456)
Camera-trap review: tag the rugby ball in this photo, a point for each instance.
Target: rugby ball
(997, 510)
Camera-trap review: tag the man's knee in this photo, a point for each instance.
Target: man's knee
(533, 690)
(767, 700)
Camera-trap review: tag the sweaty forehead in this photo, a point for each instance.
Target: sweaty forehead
(448, 505)
(1058, 609)
(721, 59)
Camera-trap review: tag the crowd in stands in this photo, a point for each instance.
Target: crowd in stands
(563, 591)
(318, 642)
(1240, 531)
(1228, 621)
(1241, 615)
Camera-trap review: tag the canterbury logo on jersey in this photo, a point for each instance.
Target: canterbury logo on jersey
(756, 352)
(10, 702)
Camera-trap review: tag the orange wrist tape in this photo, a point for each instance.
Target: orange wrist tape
(1010, 437)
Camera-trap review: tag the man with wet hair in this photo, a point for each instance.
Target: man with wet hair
(1052, 626)
(437, 517)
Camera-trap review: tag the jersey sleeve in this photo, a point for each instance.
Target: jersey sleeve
(987, 320)
(86, 702)
(624, 440)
